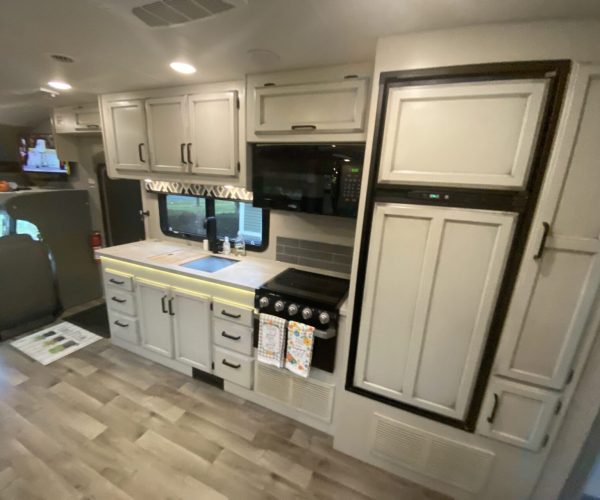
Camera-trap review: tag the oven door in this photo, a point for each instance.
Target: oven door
(303, 177)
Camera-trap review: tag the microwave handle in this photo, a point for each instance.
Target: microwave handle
(304, 127)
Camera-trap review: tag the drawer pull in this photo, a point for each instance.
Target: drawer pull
(116, 282)
(492, 416)
(540, 251)
(304, 127)
(120, 301)
(231, 365)
(122, 325)
(229, 315)
(232, 337)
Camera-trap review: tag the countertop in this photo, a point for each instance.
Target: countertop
(249, 273)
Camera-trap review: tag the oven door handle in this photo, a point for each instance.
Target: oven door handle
(330, 333)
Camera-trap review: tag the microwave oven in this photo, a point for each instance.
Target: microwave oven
(315, 178)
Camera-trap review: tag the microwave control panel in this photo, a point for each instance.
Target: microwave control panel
(350, 185)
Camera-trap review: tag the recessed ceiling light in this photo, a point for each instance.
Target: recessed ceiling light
(182, 67)
(59, 85)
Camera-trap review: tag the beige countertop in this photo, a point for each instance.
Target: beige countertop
(249, 273)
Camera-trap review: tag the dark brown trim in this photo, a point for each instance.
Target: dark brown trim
(522, 202)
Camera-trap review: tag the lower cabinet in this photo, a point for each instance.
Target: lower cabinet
(518, 414)
(234, 367)
(175, 323)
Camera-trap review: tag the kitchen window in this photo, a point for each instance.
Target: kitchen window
(183, 216)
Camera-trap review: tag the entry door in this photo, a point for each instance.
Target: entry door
(192, 328)
(167, 134)
(125, 135)
(432, 280)
(153, 299)
(214, 146)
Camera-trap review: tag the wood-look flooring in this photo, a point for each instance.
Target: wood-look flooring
(105, 424)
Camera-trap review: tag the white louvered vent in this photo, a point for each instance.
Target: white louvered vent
(399, 444)
(272, 383)
(454, 463)
(171, 12)
(314, 398)
(466, 467)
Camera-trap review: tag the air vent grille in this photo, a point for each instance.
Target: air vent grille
(310, 396)
(173, 12)
(466, 467)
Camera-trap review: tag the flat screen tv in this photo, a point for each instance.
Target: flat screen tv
(37, 154)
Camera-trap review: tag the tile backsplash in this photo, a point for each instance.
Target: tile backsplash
(315, 254)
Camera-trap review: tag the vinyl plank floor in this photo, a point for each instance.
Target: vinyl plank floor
(105, 424)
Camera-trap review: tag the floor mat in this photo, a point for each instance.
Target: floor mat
(94, 319)
(55, 342)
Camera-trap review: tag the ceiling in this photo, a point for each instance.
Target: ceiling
(114, 51)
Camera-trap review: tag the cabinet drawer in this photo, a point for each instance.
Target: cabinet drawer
(234, 367)
(118, 280)
(233, 336)
(123, 327)
(120, 301)
(232, 312)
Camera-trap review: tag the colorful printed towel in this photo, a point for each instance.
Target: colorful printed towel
(271, 340)
(299, 348)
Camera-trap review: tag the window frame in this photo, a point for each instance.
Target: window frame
(210, 212)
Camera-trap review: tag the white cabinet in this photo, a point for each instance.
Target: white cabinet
(517, 414)
(213, 133)
(432, 281)
(560, 270)
(125, 139)
(83, 119)
(191, 328)
(155, 318)
(465, 134)
(316, 105)
(176, 323)
(167, 133)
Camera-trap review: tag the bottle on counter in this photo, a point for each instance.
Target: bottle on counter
(226, 246)
(240, 244)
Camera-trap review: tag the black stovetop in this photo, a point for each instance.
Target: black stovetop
(313, 287)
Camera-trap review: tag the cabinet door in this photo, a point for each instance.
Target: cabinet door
(466, 134)
(167, 134)
(213, 147)
(311, 108)
(155, 318)
(560, 270)
(517, 414)
(431, 285)
(192, 328)
(125, 135)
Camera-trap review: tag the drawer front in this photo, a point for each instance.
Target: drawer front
(234, 367)
(233, 312)
(120, 301)
(118, 280)
(233, 336)
(123, 327)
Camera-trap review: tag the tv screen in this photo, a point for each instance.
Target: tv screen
(37, 154)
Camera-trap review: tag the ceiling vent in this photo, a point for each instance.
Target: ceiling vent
(174, 12)
(62, 58)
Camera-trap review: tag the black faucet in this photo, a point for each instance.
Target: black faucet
(210, 224)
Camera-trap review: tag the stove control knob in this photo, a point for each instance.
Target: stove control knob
(324, 318)
(263, 302)
(293, 309)
(306, 313)
(279, 305)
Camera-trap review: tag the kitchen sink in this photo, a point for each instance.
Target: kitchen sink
(209, 264)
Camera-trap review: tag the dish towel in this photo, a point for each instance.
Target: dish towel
(271, 340)
(299, 348)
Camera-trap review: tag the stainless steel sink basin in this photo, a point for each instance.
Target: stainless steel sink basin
(209, 264)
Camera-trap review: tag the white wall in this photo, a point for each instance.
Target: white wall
(515, 471)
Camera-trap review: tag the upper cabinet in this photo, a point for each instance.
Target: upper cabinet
(428, 129)
(194, 133)
(125, 140)
(320, 105)
(83, 119)
(558, 279)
